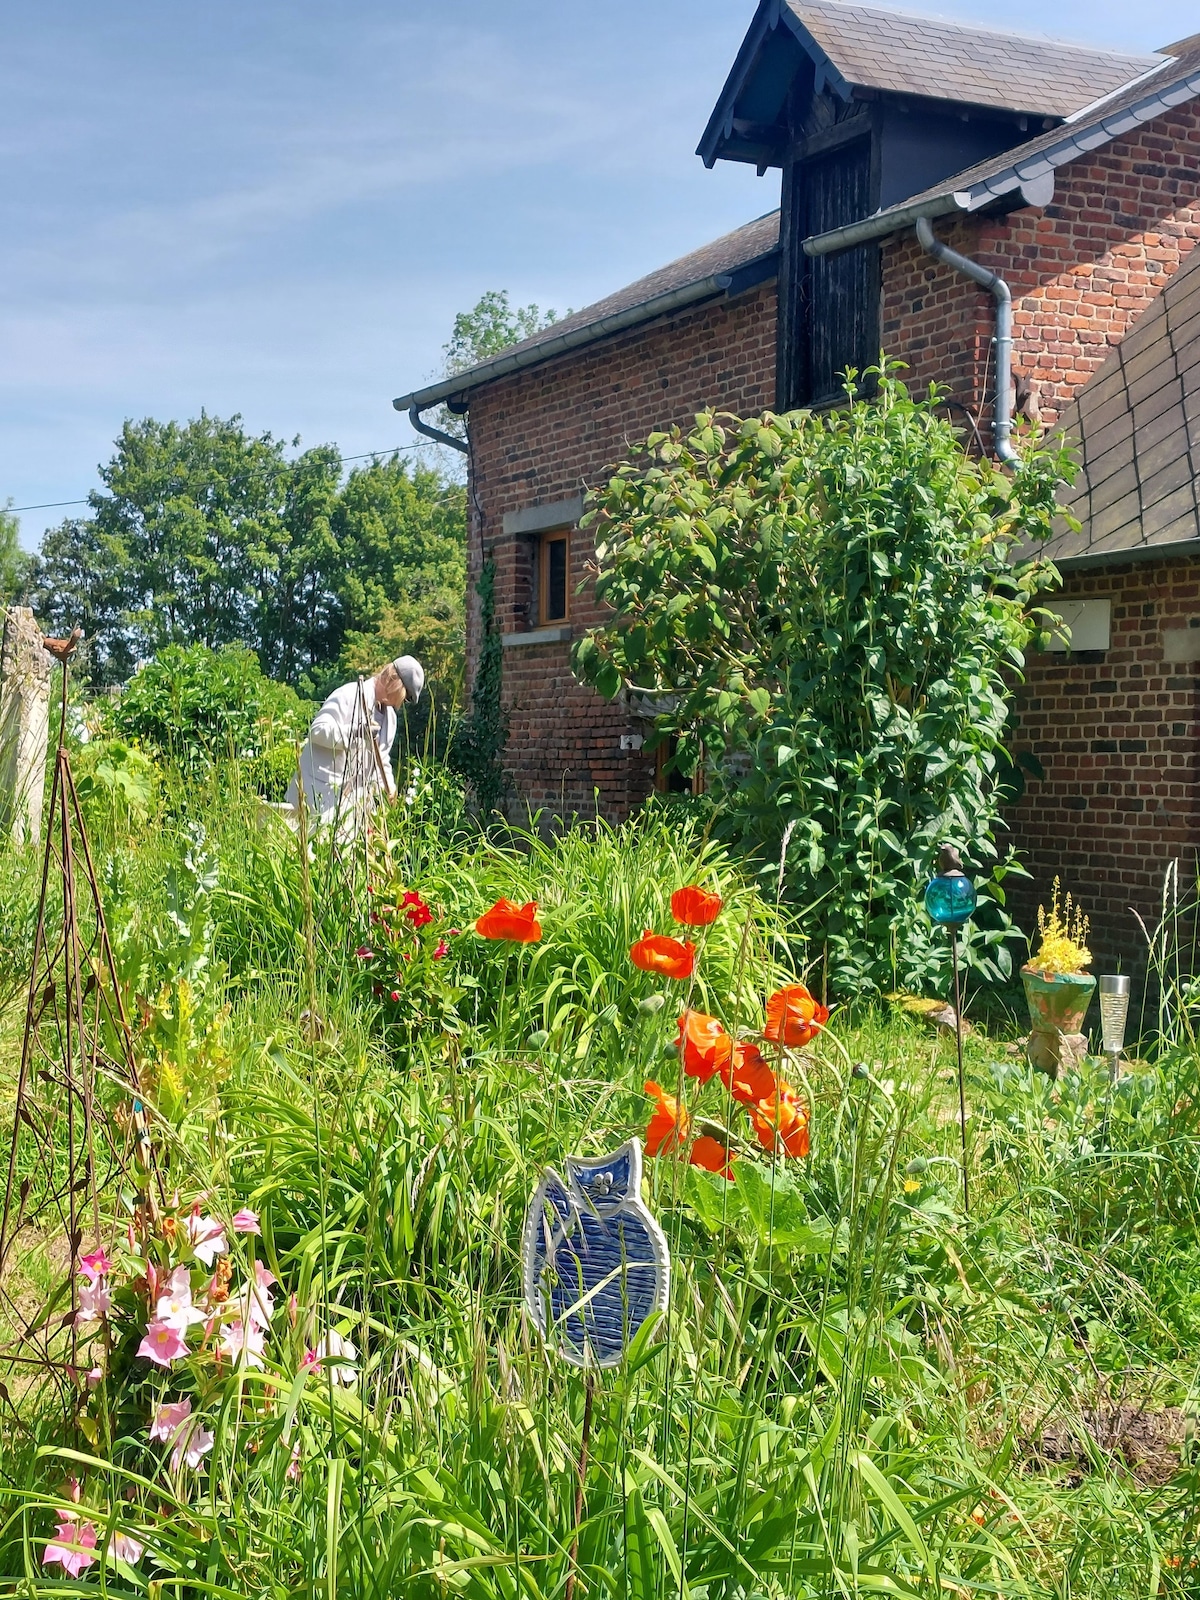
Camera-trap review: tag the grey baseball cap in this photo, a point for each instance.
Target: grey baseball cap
(411, 674)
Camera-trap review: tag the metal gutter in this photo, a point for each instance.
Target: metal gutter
(438, 434)
(999, 291)
(558, 344)
(1088, 560)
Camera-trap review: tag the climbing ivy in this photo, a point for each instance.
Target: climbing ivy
(476, 751)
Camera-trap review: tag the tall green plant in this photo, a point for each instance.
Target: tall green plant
(480, 744)
(834, 606)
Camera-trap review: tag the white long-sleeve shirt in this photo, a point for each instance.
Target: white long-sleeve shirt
(337, 761)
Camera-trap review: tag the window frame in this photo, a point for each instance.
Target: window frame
(545, 539)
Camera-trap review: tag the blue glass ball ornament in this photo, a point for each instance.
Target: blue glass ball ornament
(950, 897)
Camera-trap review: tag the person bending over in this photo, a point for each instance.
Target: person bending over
(347, 755)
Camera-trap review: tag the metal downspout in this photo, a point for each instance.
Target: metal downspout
(430, 432)
(998, 289)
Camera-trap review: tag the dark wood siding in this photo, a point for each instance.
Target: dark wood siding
(829, 304)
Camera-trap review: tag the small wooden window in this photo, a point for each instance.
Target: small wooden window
(554, 571)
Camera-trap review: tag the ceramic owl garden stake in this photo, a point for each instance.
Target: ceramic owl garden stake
(596, 1263)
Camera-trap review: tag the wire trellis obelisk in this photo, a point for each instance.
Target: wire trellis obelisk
(79, 1122)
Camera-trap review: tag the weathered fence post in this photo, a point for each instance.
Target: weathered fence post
(24, 726)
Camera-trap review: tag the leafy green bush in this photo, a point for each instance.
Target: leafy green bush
(829, 610)
(196, 705)
(113, 777)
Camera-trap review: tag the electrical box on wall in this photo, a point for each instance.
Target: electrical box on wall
(631, 741)
(1087, 624)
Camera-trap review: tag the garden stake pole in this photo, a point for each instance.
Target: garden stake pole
(962, 1093)
(585, 1434)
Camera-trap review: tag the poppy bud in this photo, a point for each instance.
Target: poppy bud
(860, 1069)
(538, 1039)
(916, 1167)
(651, 1004)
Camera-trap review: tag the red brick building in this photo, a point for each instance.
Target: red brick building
(1012, 218)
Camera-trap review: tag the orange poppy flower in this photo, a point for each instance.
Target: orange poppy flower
(658, 952)
(705, 1046)
(695, 906)
(793, 1016)
(781, 1122)
(668, 1121)
(747, 1075)
(712, 1155)
(506, 920)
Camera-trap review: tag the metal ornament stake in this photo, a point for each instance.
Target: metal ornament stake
(1114, 1012)
(595, 1267)
(66, 1141)
(950, 899)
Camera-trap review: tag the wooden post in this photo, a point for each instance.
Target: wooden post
(24, 726)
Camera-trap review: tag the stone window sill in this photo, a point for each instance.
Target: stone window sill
(556, 635)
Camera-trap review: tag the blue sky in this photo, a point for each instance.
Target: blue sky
(277, 206)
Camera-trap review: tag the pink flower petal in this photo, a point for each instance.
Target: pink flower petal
(246, 1221)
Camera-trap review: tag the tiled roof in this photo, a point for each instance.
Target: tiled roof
(730, 251)
(1137, 423)
(725, 256)
(878, 48)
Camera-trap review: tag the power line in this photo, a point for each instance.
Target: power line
(54, 505)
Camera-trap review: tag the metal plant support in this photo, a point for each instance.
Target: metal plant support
(79, 1122)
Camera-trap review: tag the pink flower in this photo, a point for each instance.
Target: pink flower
(169, 1418)
(254, 1304)
(124, 1547)
(453, 933)
(72, 1547)
(365, 953)
(94, 1377)
(97, 1265)
(94, 1302)
(341, 1355)
(191, 1446)
(293, 1470)
(239, 1340)
(175, 1307)
(162, 1344)
(311, 1363)
(293, 1308)
(207, 1237)
(246, 1221)
(443, 949)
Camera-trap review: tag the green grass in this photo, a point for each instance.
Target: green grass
(848, 1392)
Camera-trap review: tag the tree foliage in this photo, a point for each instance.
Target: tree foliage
(14, 563)
(207, 534)
(492, 325)
(833, 607)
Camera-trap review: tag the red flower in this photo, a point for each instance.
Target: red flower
(443, 949)
(747, 1075)
(793, 1016)
(417, 912)
(395, 995)
(658, 952)
(365, 953)
(781, 1122)
(695, 906)
(712, 1155)
(668, 1121)
(505, 920)
(704, 1045)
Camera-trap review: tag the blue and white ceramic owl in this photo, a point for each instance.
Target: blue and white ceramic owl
(596, 1262)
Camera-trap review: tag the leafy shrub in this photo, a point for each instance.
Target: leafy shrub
(196, 705)
(829, 610)
(113, 777)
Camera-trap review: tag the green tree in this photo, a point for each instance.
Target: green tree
(831, 606)
(401, 536)
(206, 534)
(491, 326)
(14, 562)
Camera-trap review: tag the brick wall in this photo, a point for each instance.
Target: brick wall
(1080, 272)
(1117, 737)
(544, 435)
(1118, 734)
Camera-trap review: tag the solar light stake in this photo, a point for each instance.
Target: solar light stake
(1114, 1011)
(950, 899)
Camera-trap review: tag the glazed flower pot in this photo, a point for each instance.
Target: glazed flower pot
(1057, 1007)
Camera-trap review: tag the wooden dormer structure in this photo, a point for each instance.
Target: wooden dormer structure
(862, 107)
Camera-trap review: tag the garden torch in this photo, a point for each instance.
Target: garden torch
(950, 899)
